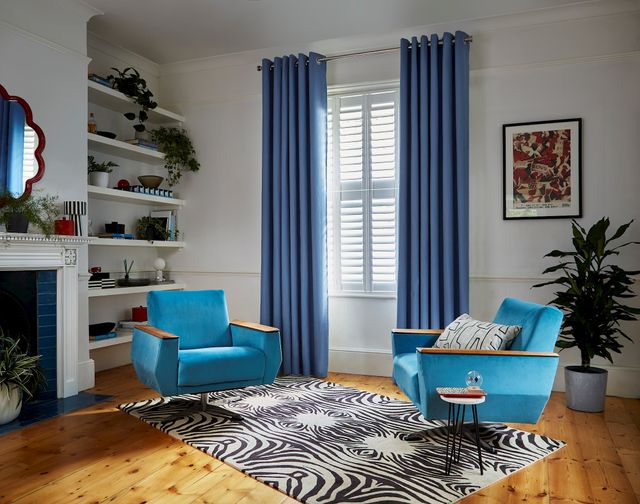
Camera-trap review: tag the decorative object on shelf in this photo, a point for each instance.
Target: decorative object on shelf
(473, 379)
(76, 210)
(166, 193)
(127, 281)
(105, 81)
(123, 184)
(131, 84)
(92, 126)
(101, 328)
(64, 227)
(20, 375)
(39, 210)
(22, 142)
(99, 172)
(150, 228)
(541, 177)
(107, 134)
(141, 142)
(150, 181)
(178, 150)
(114, 228)
(167, 219)
(159, 265)
(139, 313)
(592, 304)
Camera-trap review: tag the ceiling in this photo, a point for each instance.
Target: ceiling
(166, 31)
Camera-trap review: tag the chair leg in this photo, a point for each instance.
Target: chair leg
(191, 407)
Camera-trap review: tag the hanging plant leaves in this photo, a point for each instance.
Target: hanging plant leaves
(179, 154)
(129, 82)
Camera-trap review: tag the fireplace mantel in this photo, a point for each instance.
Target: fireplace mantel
(26, 252)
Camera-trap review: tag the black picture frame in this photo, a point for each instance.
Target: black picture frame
(556, 190)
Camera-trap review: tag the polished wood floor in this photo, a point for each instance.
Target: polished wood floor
(102, 455)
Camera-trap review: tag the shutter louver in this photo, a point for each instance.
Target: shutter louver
(29, 166)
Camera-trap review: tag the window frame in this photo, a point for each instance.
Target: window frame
(335, 289)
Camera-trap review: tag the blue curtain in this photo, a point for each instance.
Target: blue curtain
(433, 212)
(293, 291)
(12, 121)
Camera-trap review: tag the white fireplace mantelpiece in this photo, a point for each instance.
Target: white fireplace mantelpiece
(27, 252)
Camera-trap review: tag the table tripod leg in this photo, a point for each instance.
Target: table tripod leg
(474, 409)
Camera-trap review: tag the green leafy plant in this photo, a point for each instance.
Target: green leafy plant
(129, 82)
(94, 166)
(151, 228)
(593, 292)
(39, 210)
(19, 369)
(178, 150)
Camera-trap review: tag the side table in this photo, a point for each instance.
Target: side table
(455, 426)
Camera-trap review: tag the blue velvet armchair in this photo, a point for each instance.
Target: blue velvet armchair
(190, 347)
(518, 381)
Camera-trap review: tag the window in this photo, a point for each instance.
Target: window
(29, 165)
(362, 159)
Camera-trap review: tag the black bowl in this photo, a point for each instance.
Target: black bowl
(107, 134)
(100, 329)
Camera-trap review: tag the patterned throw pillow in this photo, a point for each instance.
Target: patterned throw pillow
(465, 332)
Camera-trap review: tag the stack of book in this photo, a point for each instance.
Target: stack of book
(130, 324)
(463, 392)
(118, 236)
(100, 337)
(105, 283)
(147, 144)
(101, 80)
(153, 191)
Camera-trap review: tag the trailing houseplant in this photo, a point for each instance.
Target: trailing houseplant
(129, 82)
(99, 172)
(20, 375)
(592, 296)
(178, 150)
(40, 210)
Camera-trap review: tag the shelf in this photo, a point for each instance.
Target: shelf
(110, 242)
(124, 336)
(115, 100)
(123, 149)
(107, 194)
(121, 291)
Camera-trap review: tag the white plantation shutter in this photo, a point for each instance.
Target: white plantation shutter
(361, 169)
(29, 166)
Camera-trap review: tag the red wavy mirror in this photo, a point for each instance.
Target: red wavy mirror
(21, 145)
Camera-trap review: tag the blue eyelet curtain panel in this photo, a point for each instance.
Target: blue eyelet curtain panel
(293, 281)
(433, 213)
(12, 121)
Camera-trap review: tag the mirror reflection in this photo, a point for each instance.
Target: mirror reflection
(18, 143)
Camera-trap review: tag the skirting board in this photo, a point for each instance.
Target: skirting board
(622, 381)
(86, 375)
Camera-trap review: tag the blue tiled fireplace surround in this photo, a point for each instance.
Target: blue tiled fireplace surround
(32, 295)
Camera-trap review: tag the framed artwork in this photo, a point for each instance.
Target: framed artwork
(542, 175)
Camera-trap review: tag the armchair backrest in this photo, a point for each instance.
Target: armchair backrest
(540, 324)
(199, 317)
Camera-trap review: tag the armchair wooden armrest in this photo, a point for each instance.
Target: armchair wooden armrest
(154, 331)
(505, 353)
(418, 331)
(255, 326)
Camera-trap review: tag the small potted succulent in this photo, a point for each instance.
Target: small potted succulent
(39, 210)
(99, 172)
(591, 293)
(20, 376)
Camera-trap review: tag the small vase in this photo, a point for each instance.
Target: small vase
(100, 179)
(10, 403)
(17, 223)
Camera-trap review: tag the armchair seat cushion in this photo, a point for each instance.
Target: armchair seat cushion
(204, 366)
(405, 373)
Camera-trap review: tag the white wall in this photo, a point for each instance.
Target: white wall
(43, 60)
(576, 61)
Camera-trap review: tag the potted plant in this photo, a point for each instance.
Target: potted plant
(39, 210)
(99, 172)
(591, 297)
(151, 228)
(179, 154)
(20, 375)
(131, 84)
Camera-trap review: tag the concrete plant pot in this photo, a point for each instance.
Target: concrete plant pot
(585, 388)
(10, 404)
(100, 179)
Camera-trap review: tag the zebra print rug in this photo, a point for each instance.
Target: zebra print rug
(324, 443)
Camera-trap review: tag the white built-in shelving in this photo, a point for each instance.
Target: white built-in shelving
(124, 336)
(121, 291)
(123, 149)
(107, 194)
(117, 242)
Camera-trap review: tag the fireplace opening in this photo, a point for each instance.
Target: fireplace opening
(28, 302)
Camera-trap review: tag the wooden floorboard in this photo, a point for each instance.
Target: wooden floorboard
(99, 454)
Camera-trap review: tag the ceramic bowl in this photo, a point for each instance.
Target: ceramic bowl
(150, 181)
